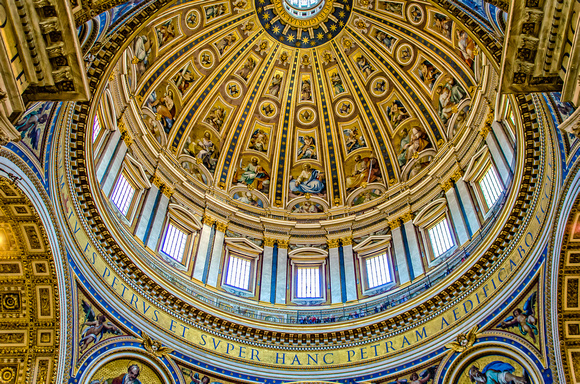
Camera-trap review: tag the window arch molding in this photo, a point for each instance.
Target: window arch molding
(241, 266)
(481, 162)
(134, 173)
(316, 260)
(438, 237)
(373, 247)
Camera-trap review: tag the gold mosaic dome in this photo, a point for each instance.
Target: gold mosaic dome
(298, 115)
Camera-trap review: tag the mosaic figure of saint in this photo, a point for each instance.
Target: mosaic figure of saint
(307, 148)
(253, 174)
(216, 117)
(310, 181)
(275, 84)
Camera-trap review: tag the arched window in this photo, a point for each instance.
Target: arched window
(436, 228)
(122, 195)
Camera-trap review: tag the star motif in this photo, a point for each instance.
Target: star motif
(276, 30)
(329, 35)
(320, 36)
(290, 38)
(333, 27)
(341, 14)
(261, 1)
(305, 40)
(266, 26)
(265, 16)
(312, 43)
(259, 10)
(341, 23)
(347, 7)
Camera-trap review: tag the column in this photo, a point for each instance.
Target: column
(149, 206)
(159, 218)
(498, 129)
(110, 146)
(414, 252)
(399, 250)
(216, 254)
(455, 211)
(204, 248)
(468, 205)
(349, 271)
(113, 169)
(282, 272)
(334, 267)
(266, 278)
(497, 155)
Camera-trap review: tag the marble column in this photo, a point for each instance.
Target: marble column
(159, 218)
(468, 205)
(413, 246)
(282, 272)
(498, 129)
(400, 253)
(349, 270)
(149, 206)
(115, 164)
(334, 266)
(216, 254)
(266, 277)
(204, 248)
(455, 211)
(103, 162)
(499, 160)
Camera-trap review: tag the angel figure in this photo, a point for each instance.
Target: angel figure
(524, 319)
(96, 327)
(463, 341)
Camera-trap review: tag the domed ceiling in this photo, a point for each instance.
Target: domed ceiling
(313, 112)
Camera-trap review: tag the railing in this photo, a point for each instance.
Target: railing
(323, 316)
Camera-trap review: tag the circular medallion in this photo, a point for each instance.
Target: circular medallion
(234, 89)
(380, 86)
(192, 19)
(206, 58)
(268, 109)
(6, 375)
(307, 115)
(311, 25)
(405, 54)
(344, 108)
(415, 14)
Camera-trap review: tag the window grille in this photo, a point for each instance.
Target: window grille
(174, 242)
(491, 187)
(122, 194)
(378, 272)
(441, 237)
(308, 282)
(238, 274)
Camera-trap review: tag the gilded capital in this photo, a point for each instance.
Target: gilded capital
(394, 224)
(457, 175)
(268, 242)
(332, 243)
(167, 190)
(208, 220)
(485, 130)
(346, 241)
(407, 216)
(127, 138)
(156, 181)
(222, 227)
(447, 185)
(283, 244)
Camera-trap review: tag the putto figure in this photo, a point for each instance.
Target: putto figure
(524, 319)
(96, 327)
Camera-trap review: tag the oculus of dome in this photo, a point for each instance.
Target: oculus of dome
(296, 27)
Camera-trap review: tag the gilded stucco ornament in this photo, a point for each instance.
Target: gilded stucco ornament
(464, 341)
(155, 346)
